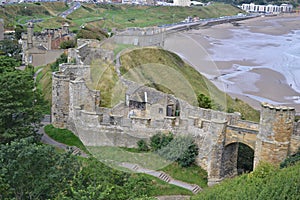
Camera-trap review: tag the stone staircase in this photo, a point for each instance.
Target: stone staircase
(163, 176)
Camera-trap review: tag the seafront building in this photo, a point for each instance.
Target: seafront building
(283, 8)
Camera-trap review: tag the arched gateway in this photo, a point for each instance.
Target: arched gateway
(144, 112)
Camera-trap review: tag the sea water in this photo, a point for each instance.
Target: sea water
(280, 53)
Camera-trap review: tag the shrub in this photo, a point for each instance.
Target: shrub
(291, 160)
(181, 149)
(160, 140)
(142, 145)
(67, 44)
(204, 101)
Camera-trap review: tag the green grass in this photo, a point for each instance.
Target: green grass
(115, 155)
(154, 65)
(193, 174)
(64, 136)
(121, 16)
(264, 183)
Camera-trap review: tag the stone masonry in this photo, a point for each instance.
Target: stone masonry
(145, 111)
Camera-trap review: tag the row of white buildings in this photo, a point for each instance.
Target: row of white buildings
(283, 8)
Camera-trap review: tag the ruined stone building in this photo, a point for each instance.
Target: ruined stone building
(145, 111)
(44, 47)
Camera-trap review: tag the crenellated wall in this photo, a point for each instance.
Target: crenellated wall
(146, 111)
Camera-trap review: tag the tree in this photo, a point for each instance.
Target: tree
(181, 149)
(20, 103)
(99, 182)
(67, 44)
(204, 101)
(33, 171)
(11, 48)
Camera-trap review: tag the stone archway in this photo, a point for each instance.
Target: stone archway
(234, 158)
(245, 159)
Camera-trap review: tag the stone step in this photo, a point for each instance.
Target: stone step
(164, 177)
(135, 167)
(196, 189)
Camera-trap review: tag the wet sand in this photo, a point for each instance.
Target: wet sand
(253, 85)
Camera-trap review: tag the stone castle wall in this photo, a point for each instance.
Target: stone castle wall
(141, 36)
(145, 111)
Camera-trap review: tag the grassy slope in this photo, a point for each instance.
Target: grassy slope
(121, 16)
(109, 16)
(260, 184)
(19, 13)
(154, 57)
(64, 136)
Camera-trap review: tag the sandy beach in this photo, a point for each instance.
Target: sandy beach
(239, 59)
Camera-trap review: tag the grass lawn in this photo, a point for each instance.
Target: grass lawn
(193, 174)
(115, 155)
(64, 136)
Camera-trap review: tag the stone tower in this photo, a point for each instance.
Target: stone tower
(30, 27)
(276, 129)
(60, 99)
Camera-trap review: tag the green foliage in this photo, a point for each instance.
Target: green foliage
(266, 182)
(160, 140)
(97, 181)
(62, 59)
(11, 48)
(67, 44)
(33, 171)
(262, 171)
(192, 174)
(142, 145)
(204, 101)
(18, 31)
(181, 149)
(20, 104)
(291, 160)
(64, 136)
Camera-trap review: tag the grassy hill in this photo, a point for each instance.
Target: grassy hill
(19, 13)
(169, 73)
(107, 16)
(266, 182)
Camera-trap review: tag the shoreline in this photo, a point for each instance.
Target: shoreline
(246, 79)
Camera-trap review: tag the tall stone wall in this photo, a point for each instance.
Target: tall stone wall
(276, 129)
(60, 99)
(141, 37)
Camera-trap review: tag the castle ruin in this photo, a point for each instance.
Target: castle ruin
(145, 111)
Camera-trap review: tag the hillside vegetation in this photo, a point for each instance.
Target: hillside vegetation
(107, 16)
(167, 72)
(266, 182)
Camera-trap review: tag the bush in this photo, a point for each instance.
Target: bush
(160, 140)
(204, 101)
(181, 149)
(142, 145)
(291, 160)
(67, 44)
